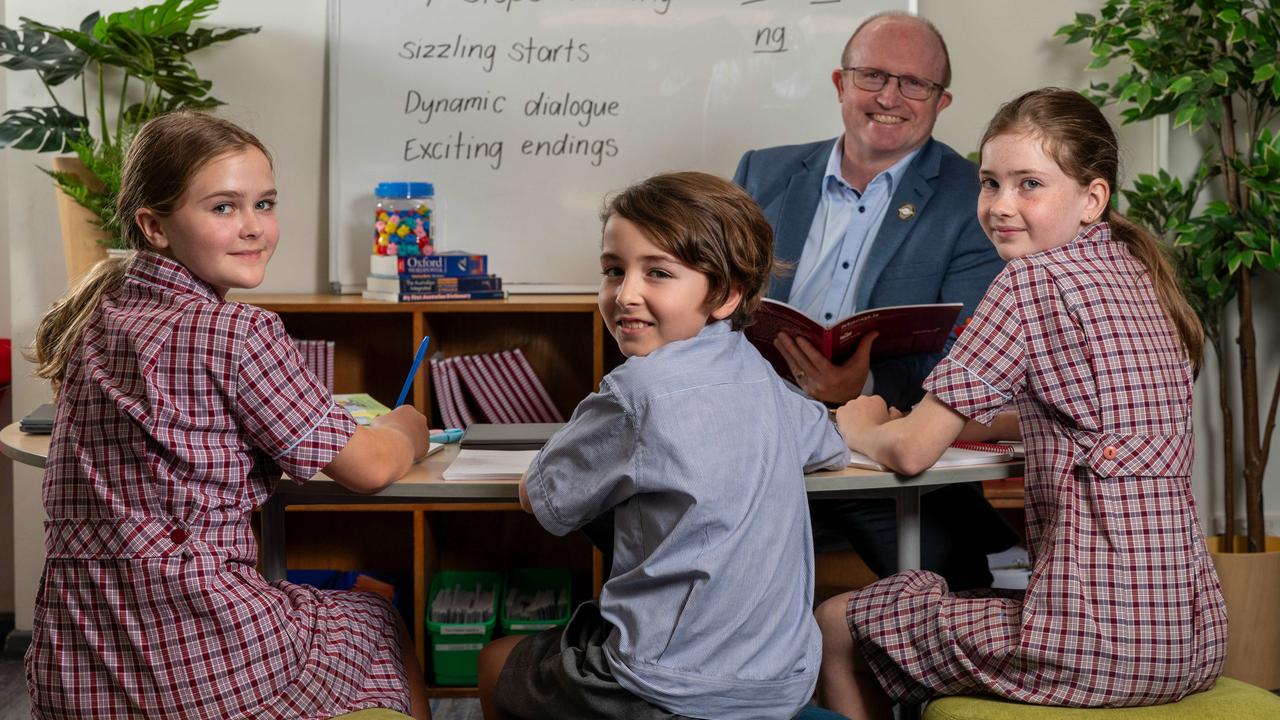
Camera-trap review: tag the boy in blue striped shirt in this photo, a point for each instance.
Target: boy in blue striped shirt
(700, 450)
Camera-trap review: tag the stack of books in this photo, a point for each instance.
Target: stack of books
(494, 387)
(419, 278)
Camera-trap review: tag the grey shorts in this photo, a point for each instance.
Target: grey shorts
(562, 674)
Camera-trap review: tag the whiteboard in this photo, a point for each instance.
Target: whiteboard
(525, 114)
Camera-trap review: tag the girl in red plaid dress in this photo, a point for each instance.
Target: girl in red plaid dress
(1088, 335)
(177, 412)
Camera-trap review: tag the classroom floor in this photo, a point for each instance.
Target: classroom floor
(15, 706)
(13, 691)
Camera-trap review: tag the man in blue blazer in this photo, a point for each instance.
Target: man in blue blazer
(883, 215)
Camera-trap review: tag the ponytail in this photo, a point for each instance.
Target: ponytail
(58, 334)
(1146, 249)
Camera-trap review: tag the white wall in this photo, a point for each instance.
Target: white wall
(6, 402)
(274, 83)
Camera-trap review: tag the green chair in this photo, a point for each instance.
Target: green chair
(1227, 700)
(373, 714)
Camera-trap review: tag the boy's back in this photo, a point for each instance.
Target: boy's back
(699, 449)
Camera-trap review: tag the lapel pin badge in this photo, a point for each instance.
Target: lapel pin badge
(907, 211)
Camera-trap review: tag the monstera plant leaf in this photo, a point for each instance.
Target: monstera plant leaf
(34, 49)
(135, 60)
(167, 18)
(40, 129)
(204, 37)
(85, 42)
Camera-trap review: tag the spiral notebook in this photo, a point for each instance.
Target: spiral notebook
(960, 453)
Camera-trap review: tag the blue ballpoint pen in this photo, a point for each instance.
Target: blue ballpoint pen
(450, 435)
(413, 370)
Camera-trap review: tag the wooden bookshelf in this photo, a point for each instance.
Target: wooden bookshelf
(562, 337)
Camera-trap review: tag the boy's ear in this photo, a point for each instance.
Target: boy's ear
(730, 304)
(149, 222)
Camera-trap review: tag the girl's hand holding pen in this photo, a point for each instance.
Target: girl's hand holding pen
(409, 422)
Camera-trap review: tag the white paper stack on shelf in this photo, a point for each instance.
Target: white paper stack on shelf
(462, 605)
(545, 604)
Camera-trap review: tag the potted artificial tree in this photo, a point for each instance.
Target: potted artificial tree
(136, 62)
(1214, 67)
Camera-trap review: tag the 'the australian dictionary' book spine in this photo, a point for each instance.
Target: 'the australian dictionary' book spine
(433, 284)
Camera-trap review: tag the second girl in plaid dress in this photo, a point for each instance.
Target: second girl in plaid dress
(1087, 333)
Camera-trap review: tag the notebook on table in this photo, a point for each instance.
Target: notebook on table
(488, 465)
(40, 420)
(509, 436)
(960, 453)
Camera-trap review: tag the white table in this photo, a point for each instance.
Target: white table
(425, 484)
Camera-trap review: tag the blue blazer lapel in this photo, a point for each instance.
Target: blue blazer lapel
(795, 217)
(916, 187)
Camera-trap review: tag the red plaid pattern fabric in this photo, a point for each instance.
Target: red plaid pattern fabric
(178, 414)
(1123, 606)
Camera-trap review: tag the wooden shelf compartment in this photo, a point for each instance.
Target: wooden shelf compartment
(560, 335)
(418, 540)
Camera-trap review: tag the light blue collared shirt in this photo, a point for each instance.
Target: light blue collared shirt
(840, 238)
(701, 450)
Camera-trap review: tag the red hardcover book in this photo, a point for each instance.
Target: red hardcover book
(530, 386)
(480, 390)
(455, 389)
(519, 386)
(496, 385)
(444, 400)
(539, 390)
(904, 330)
(508, 386)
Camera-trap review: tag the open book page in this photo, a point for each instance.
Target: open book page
(952, 457)
(774, 316)
(362, 406)
(488, 465)
(904, 330)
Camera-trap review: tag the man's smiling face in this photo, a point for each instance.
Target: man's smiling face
(881, 127)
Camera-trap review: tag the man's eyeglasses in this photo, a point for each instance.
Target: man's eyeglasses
(874, 80)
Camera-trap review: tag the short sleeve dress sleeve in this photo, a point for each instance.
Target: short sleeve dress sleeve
(282, 408)
(986, 367)
(587, 467)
